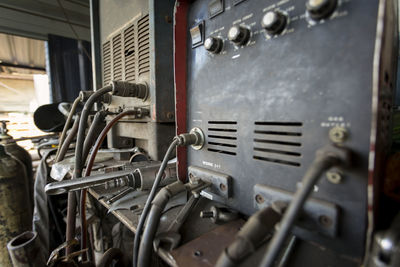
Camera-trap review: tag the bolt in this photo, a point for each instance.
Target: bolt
(206, 214)
(338, 134)
(259, 199)
(325, 221)
(197, 253)
(334, 177)
(193, 180)
(222, 187)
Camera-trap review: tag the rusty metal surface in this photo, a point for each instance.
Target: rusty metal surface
(205, 250)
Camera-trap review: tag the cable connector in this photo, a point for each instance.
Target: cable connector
(194, 138)
(127, 89)
(84, 96)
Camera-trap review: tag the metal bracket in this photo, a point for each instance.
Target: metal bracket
(317, 216)
(221, 183)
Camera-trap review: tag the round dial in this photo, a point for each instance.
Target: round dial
(274, 22)
(239, 35)
(213, 44)
(321, 9)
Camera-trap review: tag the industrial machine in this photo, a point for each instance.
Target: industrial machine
(136, 39)
(283, 123)
(272, 82)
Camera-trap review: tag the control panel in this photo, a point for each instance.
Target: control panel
(272, 81)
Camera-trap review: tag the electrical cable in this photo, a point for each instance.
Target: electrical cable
(150, 198)
(89, 167)
(94, 131)
(314, 172)
(157, 206)
(71, 211)
(68, 140)
(68, 123)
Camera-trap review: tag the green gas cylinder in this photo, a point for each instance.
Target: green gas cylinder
(15, 211)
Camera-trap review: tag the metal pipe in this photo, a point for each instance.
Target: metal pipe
(23, 250)
(65, 186)
(95, 43)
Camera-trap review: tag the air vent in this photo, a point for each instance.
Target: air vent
(129, 52)
(222, 137)
(106, 63)
(143, 50)
(278, 142)
(117, 57)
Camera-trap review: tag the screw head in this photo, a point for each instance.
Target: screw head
(222, 187)
(325, 221)
(198, 253)
(334, 177)
(259, 199)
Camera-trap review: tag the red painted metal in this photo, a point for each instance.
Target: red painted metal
(180, 71)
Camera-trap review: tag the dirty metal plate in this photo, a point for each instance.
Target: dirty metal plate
(317, 216)
(221, 183)
(205, 250)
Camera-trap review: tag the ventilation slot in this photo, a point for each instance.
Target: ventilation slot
(222, 137)
(278, 142)
(129, 52)
(106, 63)
(143, 50)
(117, 57)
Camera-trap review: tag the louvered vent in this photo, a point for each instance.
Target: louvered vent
(222, 137)
(129, 52)
(143, 50)
(117, 57)
(278, 142)
(106, 63)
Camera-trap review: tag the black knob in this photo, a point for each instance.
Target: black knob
(213, 44)
(320, 9)
(239, 35)
(274, 22)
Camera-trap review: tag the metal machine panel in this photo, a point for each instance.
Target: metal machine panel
(268, 105)
(137, 43)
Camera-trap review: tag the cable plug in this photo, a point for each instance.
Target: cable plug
(127, 89)
(195, 138)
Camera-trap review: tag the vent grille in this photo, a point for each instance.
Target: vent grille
(126, 56)
(222, 137)
(117, 57)
(129, 52)
(278, 142)
(106, 62)
(143, 45)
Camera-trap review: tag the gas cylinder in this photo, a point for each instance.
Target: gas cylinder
(15, 214)
(18, 152)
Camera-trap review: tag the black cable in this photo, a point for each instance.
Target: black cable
(95, 128)
(68, 140)
(82, 127)
(158, 205)
(150, 198)
(71, 220)
(314, 172)
(68, 123)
